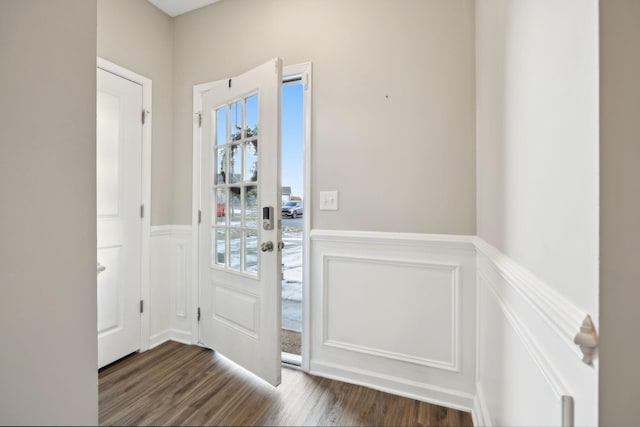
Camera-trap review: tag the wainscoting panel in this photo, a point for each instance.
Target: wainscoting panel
(420, 295)
(527, 360)
(395, 312)
(444, 319)
(171, 285)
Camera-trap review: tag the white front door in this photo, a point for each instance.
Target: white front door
(240, 254)
(118, 164)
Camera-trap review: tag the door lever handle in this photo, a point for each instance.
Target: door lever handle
(280, 246)
(101, 268)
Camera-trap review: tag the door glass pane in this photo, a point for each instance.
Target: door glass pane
(236, 163)
(221, 166)
(220, 207)
(251, 251)
(251, 206)
(221, 126)
(219, 245)
(235, 207)
(236, 121)
(235, 244)
(252, 116)
(235, 212)
(251, 160)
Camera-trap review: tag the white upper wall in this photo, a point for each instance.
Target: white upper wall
(393, 102)
(48, 369)
(537, 139)
(136, 35)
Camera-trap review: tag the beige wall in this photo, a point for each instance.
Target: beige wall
(136, 35)
(619, 211)
(48, 344)
(393, 102)
(537, 139)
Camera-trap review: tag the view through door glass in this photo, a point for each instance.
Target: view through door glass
(292, 222)
(235, 230)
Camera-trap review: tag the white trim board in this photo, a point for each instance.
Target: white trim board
(405, 239)
(145, 251)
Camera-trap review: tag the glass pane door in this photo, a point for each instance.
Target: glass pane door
(235, 186)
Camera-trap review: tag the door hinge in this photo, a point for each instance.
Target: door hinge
(199, 217)
(199, 119)
(141, 211)
(141, 306)
(229, 83)
(198, 314)
(144, 116)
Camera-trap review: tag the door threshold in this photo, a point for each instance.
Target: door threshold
(291, 360)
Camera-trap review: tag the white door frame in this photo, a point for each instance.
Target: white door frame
(145, 258)
(303, 70)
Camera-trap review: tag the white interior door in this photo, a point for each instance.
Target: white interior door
(240, 175)
(118, 157)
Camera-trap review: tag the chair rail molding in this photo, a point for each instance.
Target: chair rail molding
(525, 333)
(560, 313)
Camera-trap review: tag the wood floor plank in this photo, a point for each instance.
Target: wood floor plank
(177, 384)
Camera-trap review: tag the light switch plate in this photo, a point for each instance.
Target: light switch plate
(328, 200)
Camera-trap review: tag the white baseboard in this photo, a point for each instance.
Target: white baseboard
(399, 386)
(183, 337)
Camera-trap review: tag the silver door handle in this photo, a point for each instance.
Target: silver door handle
(280, 246)
(101, 268)
(266, 247)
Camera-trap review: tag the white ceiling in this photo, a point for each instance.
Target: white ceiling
(178, 7)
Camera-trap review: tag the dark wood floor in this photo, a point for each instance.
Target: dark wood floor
(177, 384)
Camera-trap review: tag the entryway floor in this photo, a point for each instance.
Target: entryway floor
(177, 384)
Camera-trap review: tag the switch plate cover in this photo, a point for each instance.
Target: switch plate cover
(328, 200)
